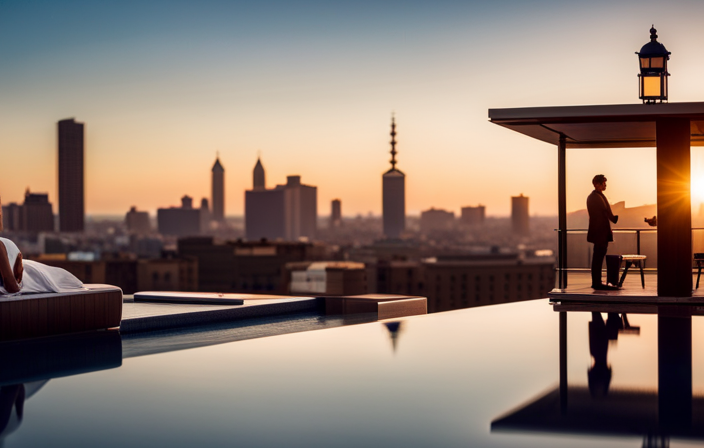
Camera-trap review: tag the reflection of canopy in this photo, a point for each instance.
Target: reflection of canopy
(620, 413)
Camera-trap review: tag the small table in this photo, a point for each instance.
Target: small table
(638, 260)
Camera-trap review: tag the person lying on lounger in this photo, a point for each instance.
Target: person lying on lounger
(27, 276)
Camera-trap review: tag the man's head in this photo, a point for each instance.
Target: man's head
(599, 182)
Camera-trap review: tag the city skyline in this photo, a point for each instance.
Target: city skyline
(312, 87)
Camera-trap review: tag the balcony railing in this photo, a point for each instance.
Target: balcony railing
(642, 241)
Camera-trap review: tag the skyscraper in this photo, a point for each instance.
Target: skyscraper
(300, 209)
(71, 190)
(335, 213)
(519, 215)
(218, 192)
(394, 194)
(258, 176)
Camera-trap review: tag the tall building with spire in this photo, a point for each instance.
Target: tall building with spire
(258, 176)
(71, 190)
(218, 191)
(394, 194)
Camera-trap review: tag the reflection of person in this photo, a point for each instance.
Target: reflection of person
(18, 275)
(599, 232)
(12, 400)
(599, 375)
(11, 408)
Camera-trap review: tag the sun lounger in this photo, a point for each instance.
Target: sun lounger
(36, 315)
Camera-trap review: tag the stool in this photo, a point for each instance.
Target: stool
(638, 260)
(699, 258)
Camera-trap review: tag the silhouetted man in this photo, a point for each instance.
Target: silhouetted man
(599, 228)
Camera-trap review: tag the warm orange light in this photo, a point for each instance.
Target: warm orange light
(651, 86)
(697, 189)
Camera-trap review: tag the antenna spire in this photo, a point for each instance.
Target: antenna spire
(393, 142)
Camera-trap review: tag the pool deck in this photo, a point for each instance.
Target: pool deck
(579, 290)
(147, 316)
(139, 316)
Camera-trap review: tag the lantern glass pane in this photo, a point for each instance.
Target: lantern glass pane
(651, 86)
(645, 63)
(656, 62)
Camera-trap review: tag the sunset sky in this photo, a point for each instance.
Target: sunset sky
(164, 85)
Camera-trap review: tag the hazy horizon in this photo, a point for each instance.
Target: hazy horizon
(162, 86)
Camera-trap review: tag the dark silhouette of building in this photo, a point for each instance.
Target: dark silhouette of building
(464, 281)
(472, 216)
(71, 176)
(335, 213)
(435, 220)
(287, 212)
(205, 215)
(264, 214)
(258, 176)
(134, 275)
(183, 221)
(34, 215)
(137, 222)
(218, 191)
(394, 194)
(519, 215)
(238, 266)
(12, 216)
(301, 209)
(37, 214)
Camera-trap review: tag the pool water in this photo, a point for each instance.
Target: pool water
(459, 378)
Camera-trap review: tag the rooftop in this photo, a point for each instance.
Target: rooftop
(599, 126)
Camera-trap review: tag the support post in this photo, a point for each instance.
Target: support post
(562, 212)
(674, 207)
(563, 362)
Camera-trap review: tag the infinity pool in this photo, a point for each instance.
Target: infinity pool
(476, 377)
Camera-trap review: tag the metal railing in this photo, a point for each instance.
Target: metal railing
(640, 241)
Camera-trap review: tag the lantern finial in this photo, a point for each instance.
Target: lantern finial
(653, 34)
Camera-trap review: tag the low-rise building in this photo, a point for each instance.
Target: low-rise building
(436, 220)
(327, 277)
(137, 222)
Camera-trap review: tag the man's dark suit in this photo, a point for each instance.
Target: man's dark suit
(599, 232)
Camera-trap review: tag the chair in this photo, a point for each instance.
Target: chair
(699, 258)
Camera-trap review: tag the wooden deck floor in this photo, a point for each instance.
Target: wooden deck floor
(579, 289)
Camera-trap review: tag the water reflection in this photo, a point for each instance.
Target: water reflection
(657, 416)
(600, 333)
(394, 332)
(28, 365)
(12, 400)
